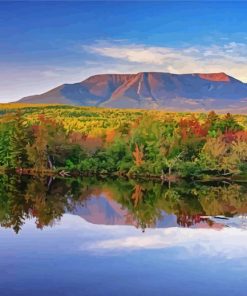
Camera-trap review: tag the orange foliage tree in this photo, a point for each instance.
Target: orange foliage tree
(138, 155)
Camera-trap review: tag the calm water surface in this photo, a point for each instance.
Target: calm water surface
(112, 237)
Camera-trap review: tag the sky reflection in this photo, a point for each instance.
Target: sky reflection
(101, 242)
(227, 243)
(75, 257)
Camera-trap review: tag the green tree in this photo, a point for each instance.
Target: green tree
(19, 139)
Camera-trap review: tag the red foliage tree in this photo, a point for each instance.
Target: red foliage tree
(191, 127)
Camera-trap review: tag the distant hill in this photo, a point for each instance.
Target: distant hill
(151, 90)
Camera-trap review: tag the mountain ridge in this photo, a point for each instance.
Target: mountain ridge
(150, 90)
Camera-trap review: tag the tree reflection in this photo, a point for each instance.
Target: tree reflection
(143, 203)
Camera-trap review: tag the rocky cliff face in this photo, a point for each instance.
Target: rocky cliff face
(151, 90)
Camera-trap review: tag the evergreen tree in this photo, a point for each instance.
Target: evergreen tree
(5, 151)
(18, 143)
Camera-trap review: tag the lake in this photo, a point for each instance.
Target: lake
(118, 237)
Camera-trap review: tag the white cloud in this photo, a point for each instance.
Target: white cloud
(120, 56)
(229, 242)
(230, 57)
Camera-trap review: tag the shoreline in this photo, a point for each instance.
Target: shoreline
(64, 173)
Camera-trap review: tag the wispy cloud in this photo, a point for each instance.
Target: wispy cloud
(191, 242)
(121, 56)
(227, 243)
(230, 57)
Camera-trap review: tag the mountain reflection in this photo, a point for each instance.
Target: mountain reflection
(120, 202)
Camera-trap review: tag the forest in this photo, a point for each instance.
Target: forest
(68, 140)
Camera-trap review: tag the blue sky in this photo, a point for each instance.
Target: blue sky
(44, 44)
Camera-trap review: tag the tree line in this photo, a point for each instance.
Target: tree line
(122, 142)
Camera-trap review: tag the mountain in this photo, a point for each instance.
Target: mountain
(105, 211)
(151, 90)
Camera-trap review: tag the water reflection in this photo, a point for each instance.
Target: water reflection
(118, 202)
(94, 247)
